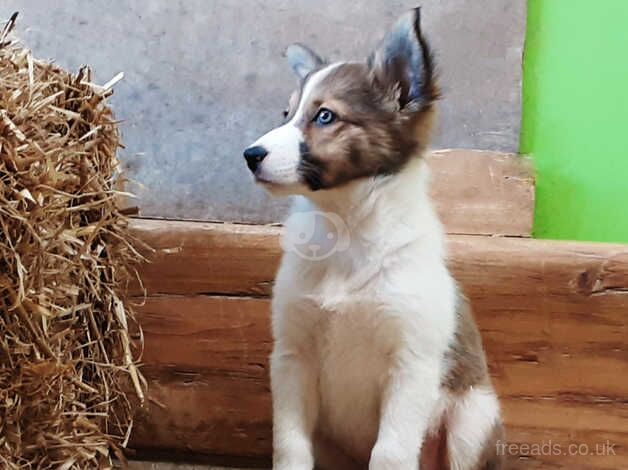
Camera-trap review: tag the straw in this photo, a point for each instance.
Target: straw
(67, 370)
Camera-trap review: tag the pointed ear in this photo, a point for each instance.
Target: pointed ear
(302, 59)
(403, 65)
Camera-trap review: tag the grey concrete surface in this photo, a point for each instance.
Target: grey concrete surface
(205, 78)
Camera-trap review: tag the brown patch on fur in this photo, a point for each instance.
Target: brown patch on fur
(467, 368)
(466, 358)
(370, 136)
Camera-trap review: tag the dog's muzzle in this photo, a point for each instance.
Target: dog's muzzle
(254, 156)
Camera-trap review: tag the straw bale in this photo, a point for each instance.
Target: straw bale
(66, 359)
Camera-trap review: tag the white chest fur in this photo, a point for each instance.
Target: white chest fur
(351, 310)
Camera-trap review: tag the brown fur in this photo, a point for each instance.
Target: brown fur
(369, 137)
(465, 357)
(384, 111)
(467, 369)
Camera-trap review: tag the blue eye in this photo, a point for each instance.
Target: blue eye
(324, 117)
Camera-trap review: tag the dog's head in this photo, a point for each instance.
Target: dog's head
(351, 120)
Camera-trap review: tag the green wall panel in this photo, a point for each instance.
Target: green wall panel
(575, 117)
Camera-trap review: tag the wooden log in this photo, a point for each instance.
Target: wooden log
(475, 192)
(207, 364)
(553, 315)
(482, 193)
(207, 258)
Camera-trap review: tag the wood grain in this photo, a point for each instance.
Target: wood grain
(553, 316)
(205, 257)
(482, 193)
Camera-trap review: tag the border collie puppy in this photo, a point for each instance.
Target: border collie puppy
(377, 361)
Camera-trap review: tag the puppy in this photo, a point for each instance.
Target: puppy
(377, 362)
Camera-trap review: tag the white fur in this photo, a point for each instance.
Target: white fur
(282, 143)
(281, 163)
(360, 335)
(470, 420)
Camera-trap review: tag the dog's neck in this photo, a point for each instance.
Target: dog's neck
(385, 214)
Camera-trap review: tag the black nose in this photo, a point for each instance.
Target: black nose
(254, 156)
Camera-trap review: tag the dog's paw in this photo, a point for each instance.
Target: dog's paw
(293, 456)
(391, 456)
(292, 465)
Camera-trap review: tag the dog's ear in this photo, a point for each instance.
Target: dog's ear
(302, 59)
(402, 65)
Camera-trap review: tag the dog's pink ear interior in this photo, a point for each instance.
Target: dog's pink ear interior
(403, 63)
(302, 59)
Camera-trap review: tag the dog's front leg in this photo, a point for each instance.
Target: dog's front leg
(407, 403)
(295, 407)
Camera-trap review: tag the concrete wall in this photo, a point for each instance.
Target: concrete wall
(205, 78)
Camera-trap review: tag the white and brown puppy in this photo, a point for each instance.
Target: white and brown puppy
(377, 362)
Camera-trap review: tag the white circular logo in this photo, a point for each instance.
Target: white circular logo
(315, 235)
